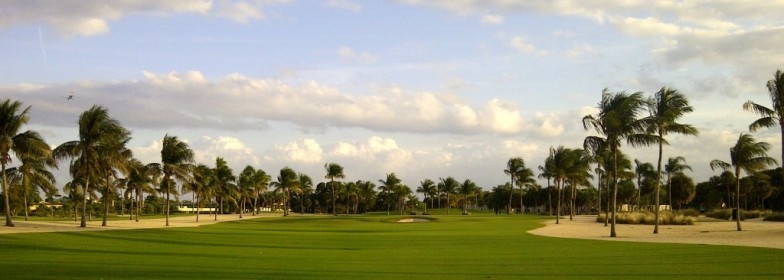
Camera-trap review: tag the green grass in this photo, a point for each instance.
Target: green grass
(357, 247)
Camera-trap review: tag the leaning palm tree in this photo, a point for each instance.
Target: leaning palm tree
(666, 107)
(449, 187)
(674, 166)
(513, 167)
(748, 156)
(617, 121)
(774, 115)
(388, 186)
(33, 175)
(96, 129)
(334, 171)
(176, 163)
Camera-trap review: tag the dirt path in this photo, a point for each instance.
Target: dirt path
(756, 233)
(22, 226)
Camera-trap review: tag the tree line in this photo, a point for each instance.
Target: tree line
(99, 162)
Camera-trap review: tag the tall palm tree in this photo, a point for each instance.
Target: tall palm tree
(367, 191)
(666, 107)
(261, 182)
(28, 144)
(770, 117)
(287, 180)
(176, 163)
(642, 170)
(388, 186)
(225, 187)
(245, 183)
(748, 156)
(427, 188)
(305, 188)
(334, 171)
(201, 178)
(513, 167)
(449, 187)
(401, 192)
(616, 121)
(561, 164)
(350, 189)
(524, 179)
(674, 166)
(466, 190)
(115, 156)
(33, 174)
(96, 130)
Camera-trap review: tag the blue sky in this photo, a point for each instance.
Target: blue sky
(425, 89)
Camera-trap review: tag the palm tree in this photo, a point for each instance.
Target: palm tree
(32, 175)
(524, 178)
(28, 144)
(350, 189)
(96, 130)
(334, 171)
(225, 188)
(401, 192)
(448, 186)
(202, 177)
(245, 183)
(176, 163)
(261, 182)
(427, 188)
(305, 188)
(560, 164)
(388, 186)
(616, 121)
(115, 156)
(666, 107)
(642, 170)
(367, 190)
(513, 167)
(674, 166)
(748, 156)
(773, 116)
(466, 190)
(287, 180)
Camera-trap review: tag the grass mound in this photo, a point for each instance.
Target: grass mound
(775, 217)
(649, 218)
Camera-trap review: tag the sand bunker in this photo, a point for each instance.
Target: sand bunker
(756, 233)
(413, 220)
(22, 226)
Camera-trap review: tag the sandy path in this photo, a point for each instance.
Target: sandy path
(756, 233)
(22, 226)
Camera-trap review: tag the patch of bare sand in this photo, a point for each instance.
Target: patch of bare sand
(22, 226)
(756, 233)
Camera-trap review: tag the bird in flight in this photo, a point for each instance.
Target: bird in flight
(70, 96)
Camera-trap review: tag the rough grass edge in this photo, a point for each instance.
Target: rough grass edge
(648, 218)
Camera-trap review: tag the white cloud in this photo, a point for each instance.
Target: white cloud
(236, 102)
(492, 19)
(344, 4)
(521, 45)
(93, 17)
(300, 151)
(349, 55)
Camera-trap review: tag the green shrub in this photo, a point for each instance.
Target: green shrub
(688, 212)
(649, 218)
(775, 217)
(726, 214)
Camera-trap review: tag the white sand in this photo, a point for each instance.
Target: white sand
(756, 233)
(22, 226)
(413, 220)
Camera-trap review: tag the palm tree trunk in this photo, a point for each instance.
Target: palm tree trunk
(737, 197)
(8, 221)
(105, 202)
(511, 191)
(84, 203)
(255, 203)
(522, 209)
(558, 203)
(130, 211)
(658, 186)
(615, 191)
(198, 207)
(24, 195)
(450, 205)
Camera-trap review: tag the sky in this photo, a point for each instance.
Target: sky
(424, 89)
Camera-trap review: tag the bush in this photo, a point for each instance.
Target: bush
(775, 217)
(649, 218)
(688, 212)
(726, 214)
